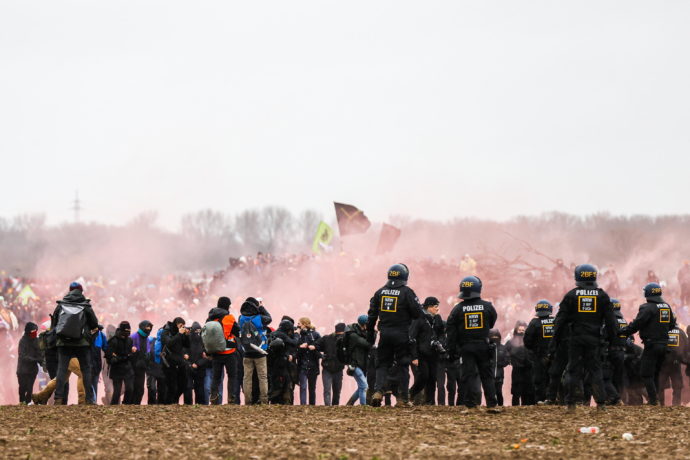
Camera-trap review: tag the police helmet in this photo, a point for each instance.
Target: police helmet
(615, 304)
(543, 308)
(585, 273)
(652, 290)
(470, 287)
(398, 274)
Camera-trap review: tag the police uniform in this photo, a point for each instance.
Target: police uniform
(394, 306)
(671, 369)
(654, 321)
(468, 335)
(538, 337)
(584, 310)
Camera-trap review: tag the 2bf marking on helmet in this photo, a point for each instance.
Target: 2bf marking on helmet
(389, 304)
(474, 320)
(586, 304)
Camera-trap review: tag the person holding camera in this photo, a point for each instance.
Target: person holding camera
(175, 340)
(426, 350)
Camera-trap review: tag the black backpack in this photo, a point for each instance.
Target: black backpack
(342, 352)
(250, 337)
(71, 321)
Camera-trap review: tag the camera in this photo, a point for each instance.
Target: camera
(438, 347)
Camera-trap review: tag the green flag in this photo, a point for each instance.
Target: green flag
(323, 237)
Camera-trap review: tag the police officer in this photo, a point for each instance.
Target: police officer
(537, 340)
(616, 354)
(671, 369)
(468, 335)
(654, 321)
(583, 310)
(394, 306)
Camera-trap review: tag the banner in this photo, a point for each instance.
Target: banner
(322, 239)
(389, 236)
(350, 219)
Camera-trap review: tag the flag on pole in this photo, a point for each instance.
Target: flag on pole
(389, 236)
(27, 294)
(350, 219)
(323, 238)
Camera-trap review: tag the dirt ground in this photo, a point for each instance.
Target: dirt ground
(232, 432)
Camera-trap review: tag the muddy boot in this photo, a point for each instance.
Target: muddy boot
(418, 399)
(493, 410)
(58, 402)
(214, 399)
(352, 400)
(376, 399)
(403, 403)
(601, 407)
(37, 400)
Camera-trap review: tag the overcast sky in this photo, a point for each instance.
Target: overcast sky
(432, 109)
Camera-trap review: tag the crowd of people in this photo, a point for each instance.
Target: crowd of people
(586, 351)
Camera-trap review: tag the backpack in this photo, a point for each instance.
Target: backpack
(158, 347)
(71, 321)
(213, 337)
(253, 336)
(47, 340)
(342, 352)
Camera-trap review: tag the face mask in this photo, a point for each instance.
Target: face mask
(33, 334)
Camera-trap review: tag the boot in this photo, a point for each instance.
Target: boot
(37, 400)
(376, 399)
(58, 402)
(214, 399)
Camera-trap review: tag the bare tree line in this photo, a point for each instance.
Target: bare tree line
(208, 237)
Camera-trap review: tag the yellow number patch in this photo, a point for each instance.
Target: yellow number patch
(547, 331)
(664, 315)
(389, 304)
(674, 340)
(586, 304)
(474, 320)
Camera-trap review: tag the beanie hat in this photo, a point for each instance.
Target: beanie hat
(287, 318)
(340, 327)
(224, 303)
(252, 300)
(430, 302)
(74, 285)
(124, 326)
(362, 319)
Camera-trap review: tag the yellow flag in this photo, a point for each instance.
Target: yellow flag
(323, 237)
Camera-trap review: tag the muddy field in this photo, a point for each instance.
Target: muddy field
(339, 433)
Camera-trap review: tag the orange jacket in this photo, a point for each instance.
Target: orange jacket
(228, 323)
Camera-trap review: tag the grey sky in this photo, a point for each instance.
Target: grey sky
(430, 108)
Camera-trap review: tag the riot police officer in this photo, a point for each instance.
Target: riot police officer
(616, 354)
(583, 310)
(654, 321)
(394, 306)
(468, 328)
(537, 340)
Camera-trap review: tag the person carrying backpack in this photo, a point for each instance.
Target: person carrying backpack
(227, 357)
(253, 321)
(74, 321)
(140, 341)
(307, 361)
(332, 367)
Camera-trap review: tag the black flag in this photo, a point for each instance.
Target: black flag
(389, 236)
(350, 219)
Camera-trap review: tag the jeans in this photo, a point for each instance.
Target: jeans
(229, 363)
(362, 386)
(83, 357)
(332, 381)
(207, 383)
(307, 380)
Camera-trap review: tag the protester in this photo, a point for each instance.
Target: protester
(30, 357)
(254, 319)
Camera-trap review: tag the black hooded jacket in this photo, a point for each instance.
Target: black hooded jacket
(423, 331)
(174, 344)
(196, 348)
(30, 356)
(76, 296)
(119, 355)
